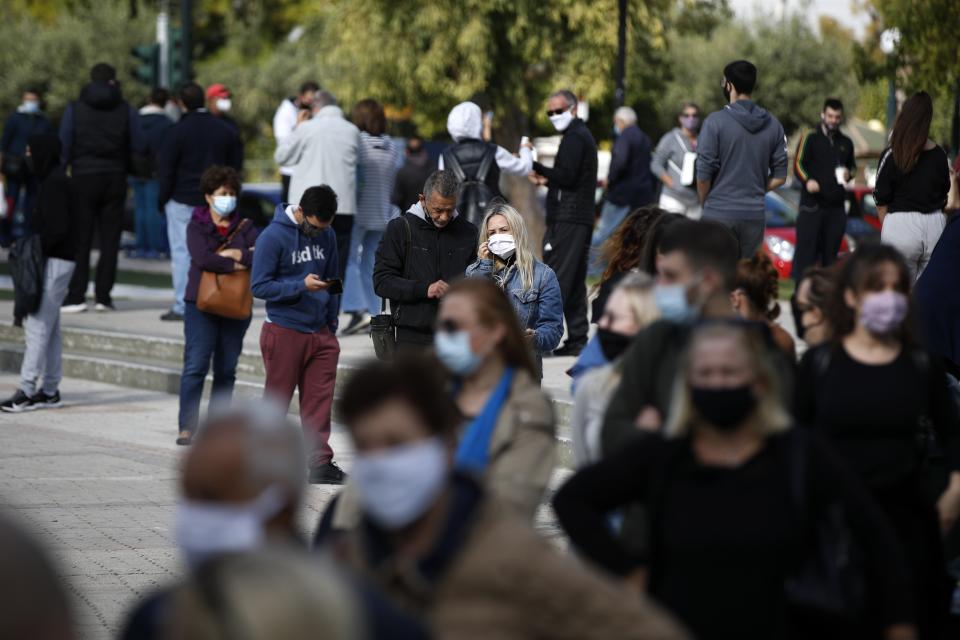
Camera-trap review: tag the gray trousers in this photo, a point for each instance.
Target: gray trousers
(42, 329)
(749, 233)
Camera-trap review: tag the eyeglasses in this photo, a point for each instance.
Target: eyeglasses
(556, 112)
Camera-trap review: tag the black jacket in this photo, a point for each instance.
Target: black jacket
(572, 180)
(630, 182)
(403, 275)
(817, 158)
(53, 217)
(199, 141)
(410, 180)
(99, 132)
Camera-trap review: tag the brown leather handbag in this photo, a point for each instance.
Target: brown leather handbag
(226, 294)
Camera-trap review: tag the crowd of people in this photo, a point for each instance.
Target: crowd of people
(722, 486)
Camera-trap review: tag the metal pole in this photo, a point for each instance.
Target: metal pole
(163, 39)
(186, 25)
(891, 99)
(620, 95)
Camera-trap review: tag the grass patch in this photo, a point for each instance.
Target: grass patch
(787, 287)
(135, 278)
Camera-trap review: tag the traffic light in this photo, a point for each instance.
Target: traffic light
(176, 63)
(147, 70)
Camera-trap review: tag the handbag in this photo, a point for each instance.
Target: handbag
(383, 326)
(226, 294)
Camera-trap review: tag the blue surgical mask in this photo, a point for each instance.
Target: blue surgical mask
(224, 205)
(671, 300)
(31, 106)
(453, 350)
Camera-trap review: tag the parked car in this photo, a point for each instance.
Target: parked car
(258, 201)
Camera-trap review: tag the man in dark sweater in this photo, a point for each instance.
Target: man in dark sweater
(198, 141)
(824, 158)
(421, 253)
(571, 186)
(411, 176)
(56, 221)
(99, 133)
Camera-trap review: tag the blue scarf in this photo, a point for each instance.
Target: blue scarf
(474, 450)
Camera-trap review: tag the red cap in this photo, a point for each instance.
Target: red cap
(218, 90)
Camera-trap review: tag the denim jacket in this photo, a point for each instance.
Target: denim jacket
(540, 308)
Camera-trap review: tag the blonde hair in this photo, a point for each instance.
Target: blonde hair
(770, 417)
(638, 287)
(524, 252)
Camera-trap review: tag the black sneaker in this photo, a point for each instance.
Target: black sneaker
(359, 320)
(17, 403)
(43, 401)
(328, 473)
(172, 316)
(569, 349)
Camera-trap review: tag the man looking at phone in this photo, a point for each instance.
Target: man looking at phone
(295, 271)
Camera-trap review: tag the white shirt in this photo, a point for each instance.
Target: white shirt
(509, 163)
(284, 122)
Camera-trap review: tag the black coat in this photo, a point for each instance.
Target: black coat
(572, 180)
(630, 182)
(54, 218)
(403, 274)
(198, 141)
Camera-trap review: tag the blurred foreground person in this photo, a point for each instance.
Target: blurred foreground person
(630, 308)
(33, 602)
(434, 541)
(810, 305)
(938, 299)
(884, 403)
(737, 501)
(755, 295)
(506, 257)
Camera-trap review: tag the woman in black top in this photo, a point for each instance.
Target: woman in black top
(721, 486)
(912, 185)
(869, 391)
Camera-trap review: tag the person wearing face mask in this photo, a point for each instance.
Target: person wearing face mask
(824, 164)
(506, 257)
(196, 142)
(741, 154)
(674, 163)
(26, 121)
(422, 252)
(630, 308)
(220, 103)
(733, 495)
(219, 241)
(571, 187)
(439, 545)
(295, 270)
(754, 298)
(874, 393)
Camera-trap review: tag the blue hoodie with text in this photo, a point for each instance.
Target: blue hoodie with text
(283, 257)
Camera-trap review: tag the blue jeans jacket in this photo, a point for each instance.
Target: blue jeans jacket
(540, 308)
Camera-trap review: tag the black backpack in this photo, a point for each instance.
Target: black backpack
(475, 194)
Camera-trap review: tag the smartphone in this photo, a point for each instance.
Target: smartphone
(336, 286)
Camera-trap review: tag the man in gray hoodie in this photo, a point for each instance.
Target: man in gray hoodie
(742, 154)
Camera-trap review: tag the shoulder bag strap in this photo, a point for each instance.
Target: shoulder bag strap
(486, 163)
(233, 234)
(451, 162)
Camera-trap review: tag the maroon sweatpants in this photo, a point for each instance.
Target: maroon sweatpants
(307, 361)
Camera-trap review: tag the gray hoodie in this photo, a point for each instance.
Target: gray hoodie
(739, 149)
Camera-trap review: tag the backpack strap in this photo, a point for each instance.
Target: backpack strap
(451, 162)
(486, 163)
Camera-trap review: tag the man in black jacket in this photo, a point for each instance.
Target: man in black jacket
(824, 157)
(55, 221)
(411, 176)
(423, 251)
(571, 185)
(99, 133)
(198, 141)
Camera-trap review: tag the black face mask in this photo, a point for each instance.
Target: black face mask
(613, 344)
(724, 408)
(309, 230)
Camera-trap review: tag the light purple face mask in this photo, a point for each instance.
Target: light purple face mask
(882, 313)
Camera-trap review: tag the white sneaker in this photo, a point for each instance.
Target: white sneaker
(74, 308)
(104, 307)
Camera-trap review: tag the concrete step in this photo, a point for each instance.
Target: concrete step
(155, 363)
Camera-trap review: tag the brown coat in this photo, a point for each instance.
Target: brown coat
(506, 582)
(523, 451)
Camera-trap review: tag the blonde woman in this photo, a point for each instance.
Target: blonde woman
(630, 308)
(506, 256)
(734, 496)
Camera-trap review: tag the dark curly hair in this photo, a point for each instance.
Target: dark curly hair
(759, 281)
(416, 380)
(216, 177)
(648, 257)
(624, 249)
(860, 274)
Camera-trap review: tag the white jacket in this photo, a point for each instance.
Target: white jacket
(323, 150)
(284, 122)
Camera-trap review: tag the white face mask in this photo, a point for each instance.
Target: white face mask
(398, 485)
(502, 245)
(562, 121)
(206, 529)
(224, 104)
